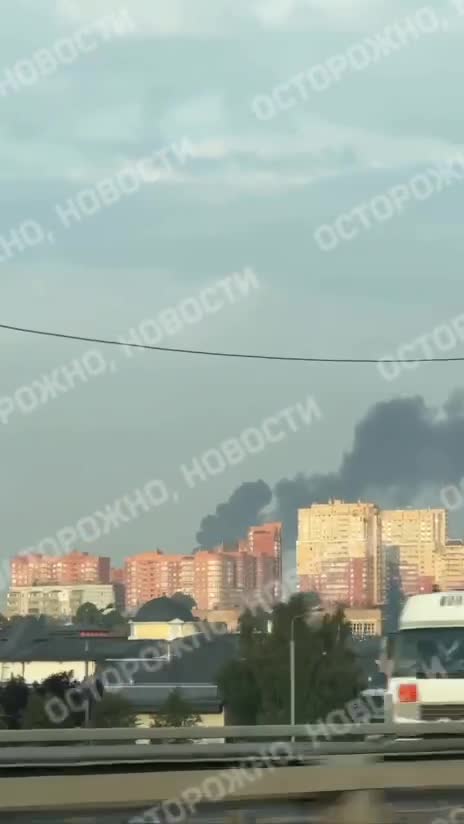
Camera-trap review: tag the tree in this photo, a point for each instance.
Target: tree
(186, 600)
(57, 684)
(176, 712)
(108, 618)
(395, 597)
(37, 716)
(75, 704)
(113, 711)
(61, 712)
(114, 620)
(240, 691)
(256, 688)
(14, 696)
(88, 613)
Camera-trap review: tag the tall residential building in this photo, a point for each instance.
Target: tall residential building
(57, 601)
(70, 568)
(339, 552)
(118, 579)
(449, 566)
(215, 579)
(418, 535)
(266, 540)
(154, 574)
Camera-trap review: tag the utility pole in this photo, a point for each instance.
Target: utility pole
(307, 616)
(292, 668)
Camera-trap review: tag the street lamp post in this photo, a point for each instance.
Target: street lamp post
(307, 616)
(292, 667)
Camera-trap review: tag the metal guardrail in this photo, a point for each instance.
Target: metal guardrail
(276, 732)
(139, 790)
(87, 770)
(61, 757)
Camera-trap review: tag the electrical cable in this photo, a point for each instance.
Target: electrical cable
(213, 354)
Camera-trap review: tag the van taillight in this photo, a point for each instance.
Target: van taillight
(407, 694)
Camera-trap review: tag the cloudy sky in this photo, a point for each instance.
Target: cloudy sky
(253, 194)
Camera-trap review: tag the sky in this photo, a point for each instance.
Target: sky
(246, 194)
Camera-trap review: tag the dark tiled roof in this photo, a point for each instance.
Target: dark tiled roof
(62, 648)
(192, 660)
(203, 698)
(193, 667)
(186, 664)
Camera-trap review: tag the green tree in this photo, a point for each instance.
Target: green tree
(36, 716)
(240, 691)
(114, 620)
(113, 711)
(88, 613)
(108, 618)
(256, 688)
(14, 695)
(42, 711)
(186, 600)
(176, 712)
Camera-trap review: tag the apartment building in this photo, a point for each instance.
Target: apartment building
(420, 538)
(265, 541)
(62, 570)
(449, 566)
(215, 579)
(57, 601)
(118, 579)
(218, 578)
(154, 574)
(339, 552)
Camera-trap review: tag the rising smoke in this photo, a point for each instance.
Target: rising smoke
(401, 449)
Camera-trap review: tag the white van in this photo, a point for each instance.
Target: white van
(426, 661)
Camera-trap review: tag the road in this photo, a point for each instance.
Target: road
(414, 808)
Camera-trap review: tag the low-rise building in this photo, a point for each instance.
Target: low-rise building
(143, 672)
(163, 619)
(364, 622)
(228, 617)
(57, 601)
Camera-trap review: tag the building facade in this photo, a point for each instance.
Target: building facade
(62, 570)
(339, 552)
(57, 601)
(355, 553)
(155, 574)
(265, 541)
(215, 579)
(220, 578)
(420, 538)
(365, 623)
(449, 566)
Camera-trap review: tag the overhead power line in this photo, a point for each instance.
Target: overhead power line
(212, 354)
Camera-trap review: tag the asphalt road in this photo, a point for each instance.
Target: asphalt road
(416, 808)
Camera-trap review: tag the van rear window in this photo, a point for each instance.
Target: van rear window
(451, 600)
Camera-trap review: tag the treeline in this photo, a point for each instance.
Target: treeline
(33, 706)
(256, 686)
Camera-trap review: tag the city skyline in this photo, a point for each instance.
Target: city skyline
(216, 578)
(344, 551)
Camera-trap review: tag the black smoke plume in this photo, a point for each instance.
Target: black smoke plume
(232, 519)
(401, 449)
